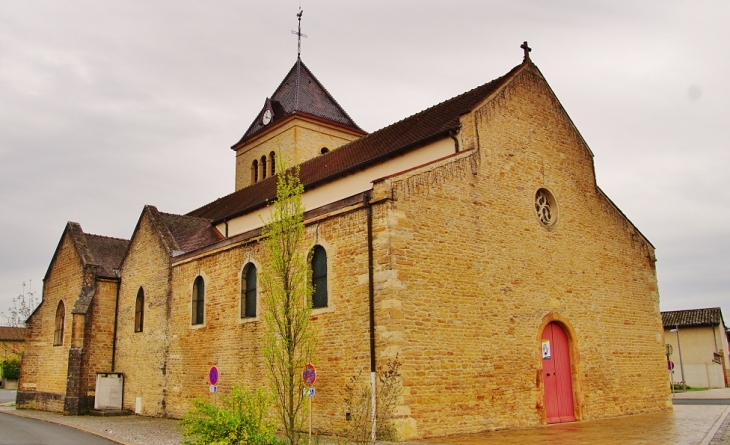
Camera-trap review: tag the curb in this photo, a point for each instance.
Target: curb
(716, 426)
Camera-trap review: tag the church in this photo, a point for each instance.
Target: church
(470, 240)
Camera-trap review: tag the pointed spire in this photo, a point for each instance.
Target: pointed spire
(300, 92)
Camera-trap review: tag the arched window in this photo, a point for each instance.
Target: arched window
(248, 292)
(272, 161)
(263, 167)
(319, 277)
(139, 311)
(60, 319)
(255, 171)
(198, 301)
(324, 150)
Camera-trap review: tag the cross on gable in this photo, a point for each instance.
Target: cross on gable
(527, 50)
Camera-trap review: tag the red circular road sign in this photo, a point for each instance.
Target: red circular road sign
(213, 375)
(309, 375)
(670, 365)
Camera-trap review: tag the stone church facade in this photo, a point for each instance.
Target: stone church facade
(512, 289)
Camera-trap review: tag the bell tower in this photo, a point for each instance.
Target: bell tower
(299, 121)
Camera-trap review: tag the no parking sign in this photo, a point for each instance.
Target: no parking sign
(309, 375)
(213, 377)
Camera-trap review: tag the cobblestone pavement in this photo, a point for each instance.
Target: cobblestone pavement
(687, 424)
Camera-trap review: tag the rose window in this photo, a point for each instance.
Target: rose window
(545, 207)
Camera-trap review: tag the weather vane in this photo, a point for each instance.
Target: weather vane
(299, 33)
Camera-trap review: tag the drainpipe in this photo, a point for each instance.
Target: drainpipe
(452, 134)
(117, 272)
(371, 307)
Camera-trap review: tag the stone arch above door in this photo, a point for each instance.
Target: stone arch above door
(571, 366)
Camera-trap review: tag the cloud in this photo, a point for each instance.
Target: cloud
(107, 106)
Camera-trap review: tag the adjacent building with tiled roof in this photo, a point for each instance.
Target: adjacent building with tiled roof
(698, 341)
(469, 240)
(9, 333)
(12, 341)
(693, 317)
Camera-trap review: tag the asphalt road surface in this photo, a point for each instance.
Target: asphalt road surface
(701, 401)
(22, 431)
(7, 395)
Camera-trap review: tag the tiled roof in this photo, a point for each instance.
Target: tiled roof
(693, 317)
(190, 233)
(300, 92)
(8, 333)
(108, 253)
(95, 250)
(390, 141)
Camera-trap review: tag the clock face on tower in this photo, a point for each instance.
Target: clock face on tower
(267, 117)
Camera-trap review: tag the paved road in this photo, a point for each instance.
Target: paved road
(23, 431)
(7, 395)
(701, 402)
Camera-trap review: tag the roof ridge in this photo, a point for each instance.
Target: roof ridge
(185, 216)
(412, 116)
(425, 110)
(298, 85)
(105, 236)
(329, 95)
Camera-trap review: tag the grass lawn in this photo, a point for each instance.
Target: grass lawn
(679, 389)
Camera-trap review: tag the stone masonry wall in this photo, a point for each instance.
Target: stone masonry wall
(42, 382)
(234, 345)
(475, 277)
(98, 337)
(141, 356)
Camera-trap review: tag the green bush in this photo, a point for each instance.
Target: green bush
(241, 418)
(11, 368)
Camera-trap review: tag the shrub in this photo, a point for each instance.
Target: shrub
(241, 418)
(11, 368)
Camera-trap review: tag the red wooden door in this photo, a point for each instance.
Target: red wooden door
(556, 375)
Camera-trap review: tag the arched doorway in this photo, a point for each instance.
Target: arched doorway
(556, 375)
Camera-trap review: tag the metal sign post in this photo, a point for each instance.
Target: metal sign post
(213, 378)
(309, 375)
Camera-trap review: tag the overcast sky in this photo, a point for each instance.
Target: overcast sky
(106, 106)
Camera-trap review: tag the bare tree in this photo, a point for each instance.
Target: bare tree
(23, 305)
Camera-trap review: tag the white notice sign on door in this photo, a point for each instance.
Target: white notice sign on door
(546, 350)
